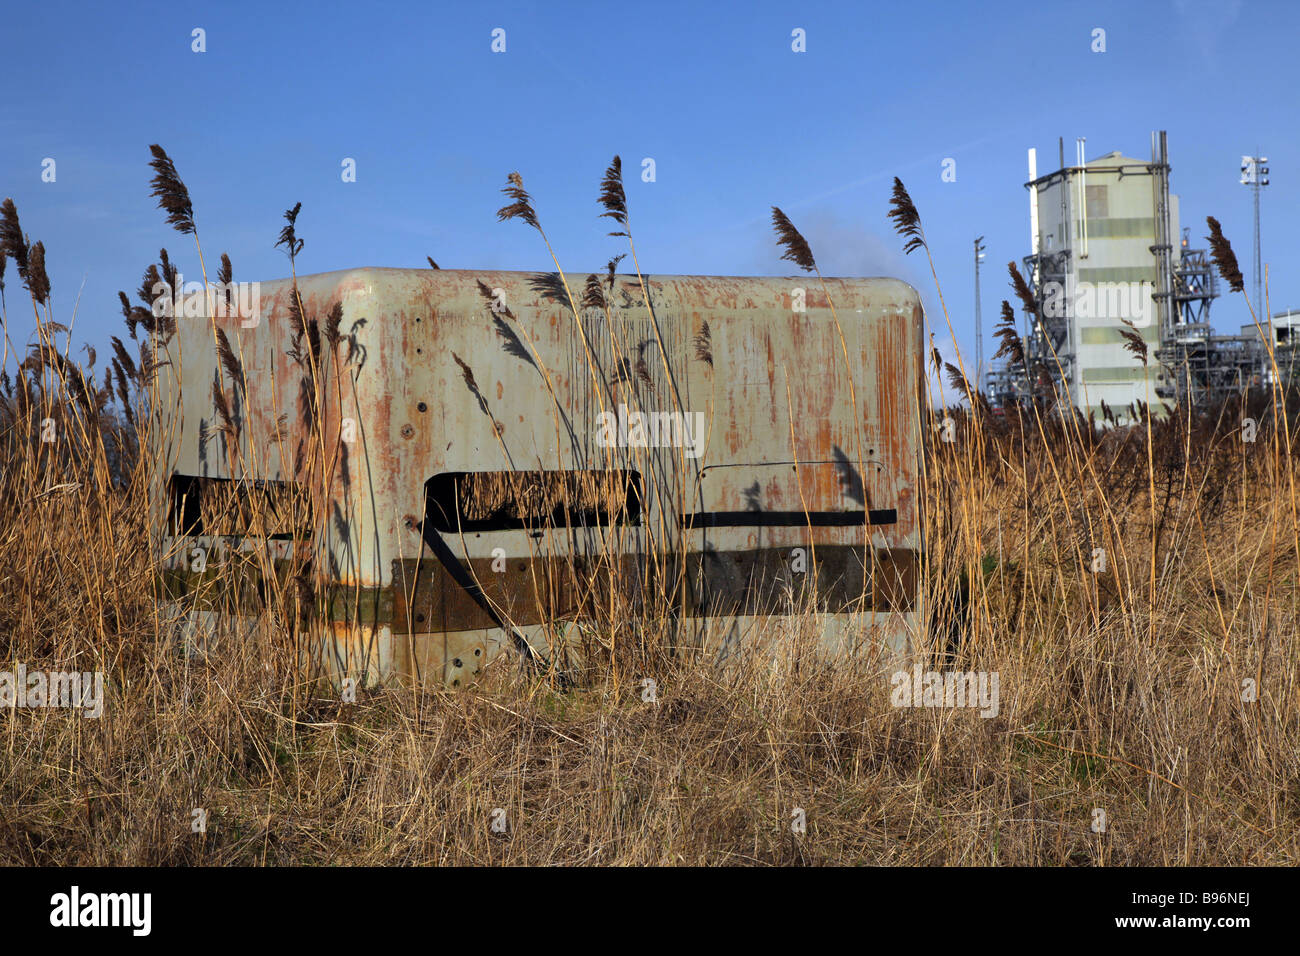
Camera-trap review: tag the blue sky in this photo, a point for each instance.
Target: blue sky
(734, 120)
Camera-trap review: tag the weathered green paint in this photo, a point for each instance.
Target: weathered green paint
(804, 409)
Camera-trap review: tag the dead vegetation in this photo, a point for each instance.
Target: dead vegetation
(1159, 689)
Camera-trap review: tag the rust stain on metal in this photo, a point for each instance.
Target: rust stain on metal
(800, 433)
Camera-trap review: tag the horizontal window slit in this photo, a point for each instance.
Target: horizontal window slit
(532, 500)
(785, 519)
(228, 507)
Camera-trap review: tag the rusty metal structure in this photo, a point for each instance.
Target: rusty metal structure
(434, 466)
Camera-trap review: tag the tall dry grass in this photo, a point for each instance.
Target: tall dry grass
(1121, 691)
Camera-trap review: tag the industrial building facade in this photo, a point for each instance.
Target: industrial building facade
(1108, 254)
(1105, 212)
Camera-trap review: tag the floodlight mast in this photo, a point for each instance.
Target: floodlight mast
(1254, 173)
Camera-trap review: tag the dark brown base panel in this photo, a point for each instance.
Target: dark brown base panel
(426, 597)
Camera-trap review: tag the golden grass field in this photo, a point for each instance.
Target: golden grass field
(1126, 691)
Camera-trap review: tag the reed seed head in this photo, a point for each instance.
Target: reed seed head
(1010, 344)
(221, 405)
(1134, 344)
(123, 358)
(522, 207)
(795, 245)
(593, 296)
(1224, 257)
(956, 380)
(170, 192)
(12, 242)
(229, 360)
(612, 265)
(289, 234)
(907, 221)
(612, 196)
(296, 323)
(1023, 292)
(148, 284)
(37, 280)
(332, 322)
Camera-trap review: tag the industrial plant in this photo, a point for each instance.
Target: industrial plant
(1108, 254)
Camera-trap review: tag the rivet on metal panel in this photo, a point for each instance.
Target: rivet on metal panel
(407, 431)
(422, 407)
